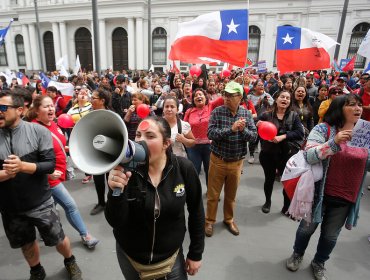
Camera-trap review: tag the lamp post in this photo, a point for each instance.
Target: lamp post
(39, 35)
(149, 33)
(341, 27)
(96, 35)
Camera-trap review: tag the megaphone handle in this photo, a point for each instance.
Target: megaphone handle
(116, 192)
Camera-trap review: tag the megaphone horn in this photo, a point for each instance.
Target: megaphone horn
(99, 142)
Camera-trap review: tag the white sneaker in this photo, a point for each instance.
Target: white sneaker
(251, 160)
(368, 187)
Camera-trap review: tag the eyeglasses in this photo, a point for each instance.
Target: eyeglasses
(4, 108)
(230, 95)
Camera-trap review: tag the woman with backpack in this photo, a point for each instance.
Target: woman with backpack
(276, 152)
(181, 134)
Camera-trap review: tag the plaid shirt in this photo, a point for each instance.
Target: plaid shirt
(225, 142)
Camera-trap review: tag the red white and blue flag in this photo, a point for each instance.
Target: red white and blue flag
(23, 78)
(67, 89)
(301, 49)
(218, 36)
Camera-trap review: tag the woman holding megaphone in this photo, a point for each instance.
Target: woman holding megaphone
(280, 130)
(148, 218)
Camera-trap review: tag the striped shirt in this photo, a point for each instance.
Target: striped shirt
(225, 142)
(78, 112)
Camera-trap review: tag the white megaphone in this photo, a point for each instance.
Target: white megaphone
(99, 142)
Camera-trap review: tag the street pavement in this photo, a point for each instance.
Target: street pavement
(258, 253)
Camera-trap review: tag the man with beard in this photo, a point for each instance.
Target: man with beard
(26, 158)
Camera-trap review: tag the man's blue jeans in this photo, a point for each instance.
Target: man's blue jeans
(200, 153)
(334, 216)
(64, 199)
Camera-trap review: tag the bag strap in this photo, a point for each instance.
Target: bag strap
(328, 132)
(179, 126)
(60, 143)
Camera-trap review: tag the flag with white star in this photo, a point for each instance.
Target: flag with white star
(218, 36)
(301, 49)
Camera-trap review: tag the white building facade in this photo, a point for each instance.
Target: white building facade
(66, 29)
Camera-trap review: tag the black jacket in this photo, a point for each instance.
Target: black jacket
(147, 239)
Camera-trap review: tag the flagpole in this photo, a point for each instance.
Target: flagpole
(39, 35)
(341, 28)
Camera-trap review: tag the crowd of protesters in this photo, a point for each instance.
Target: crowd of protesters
(212, 121)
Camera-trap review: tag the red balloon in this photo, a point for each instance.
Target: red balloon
(267, 130)
(143, 110)
(195, 70)
(225, 73)
(65, 121)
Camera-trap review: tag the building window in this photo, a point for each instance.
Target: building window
(358, 34)
(159, 46)
(19, 47)
(49, 50)
(3, 58)
(254, 43)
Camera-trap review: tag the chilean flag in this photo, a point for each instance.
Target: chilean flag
(301, 49)
(221, 35)
(23, 78)
(67, 89)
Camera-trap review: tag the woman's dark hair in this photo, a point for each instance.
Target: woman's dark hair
(106, 95)
(256, 82)
(193, 96)
(164, 129)
(274, 105)
(305, 99)
(52, 89)
(334, 116)
(169, 97)
(36, 104)
(323, 86)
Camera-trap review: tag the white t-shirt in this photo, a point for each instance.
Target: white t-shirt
(177, 147)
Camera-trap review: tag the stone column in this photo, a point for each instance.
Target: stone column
(10, 52)
(56, 38)
(34, 47)
(139, 44)
(27, 48)
(103, 45)
(173, 26)
(269, 48)
(131, 44)
(63, 39)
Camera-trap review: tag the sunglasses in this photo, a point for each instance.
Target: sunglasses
(77, 89)
(4, 108)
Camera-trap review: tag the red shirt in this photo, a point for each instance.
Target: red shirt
(366, 102)
(59, 104)
(60, 157)
(344, 177)
(199, 118)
